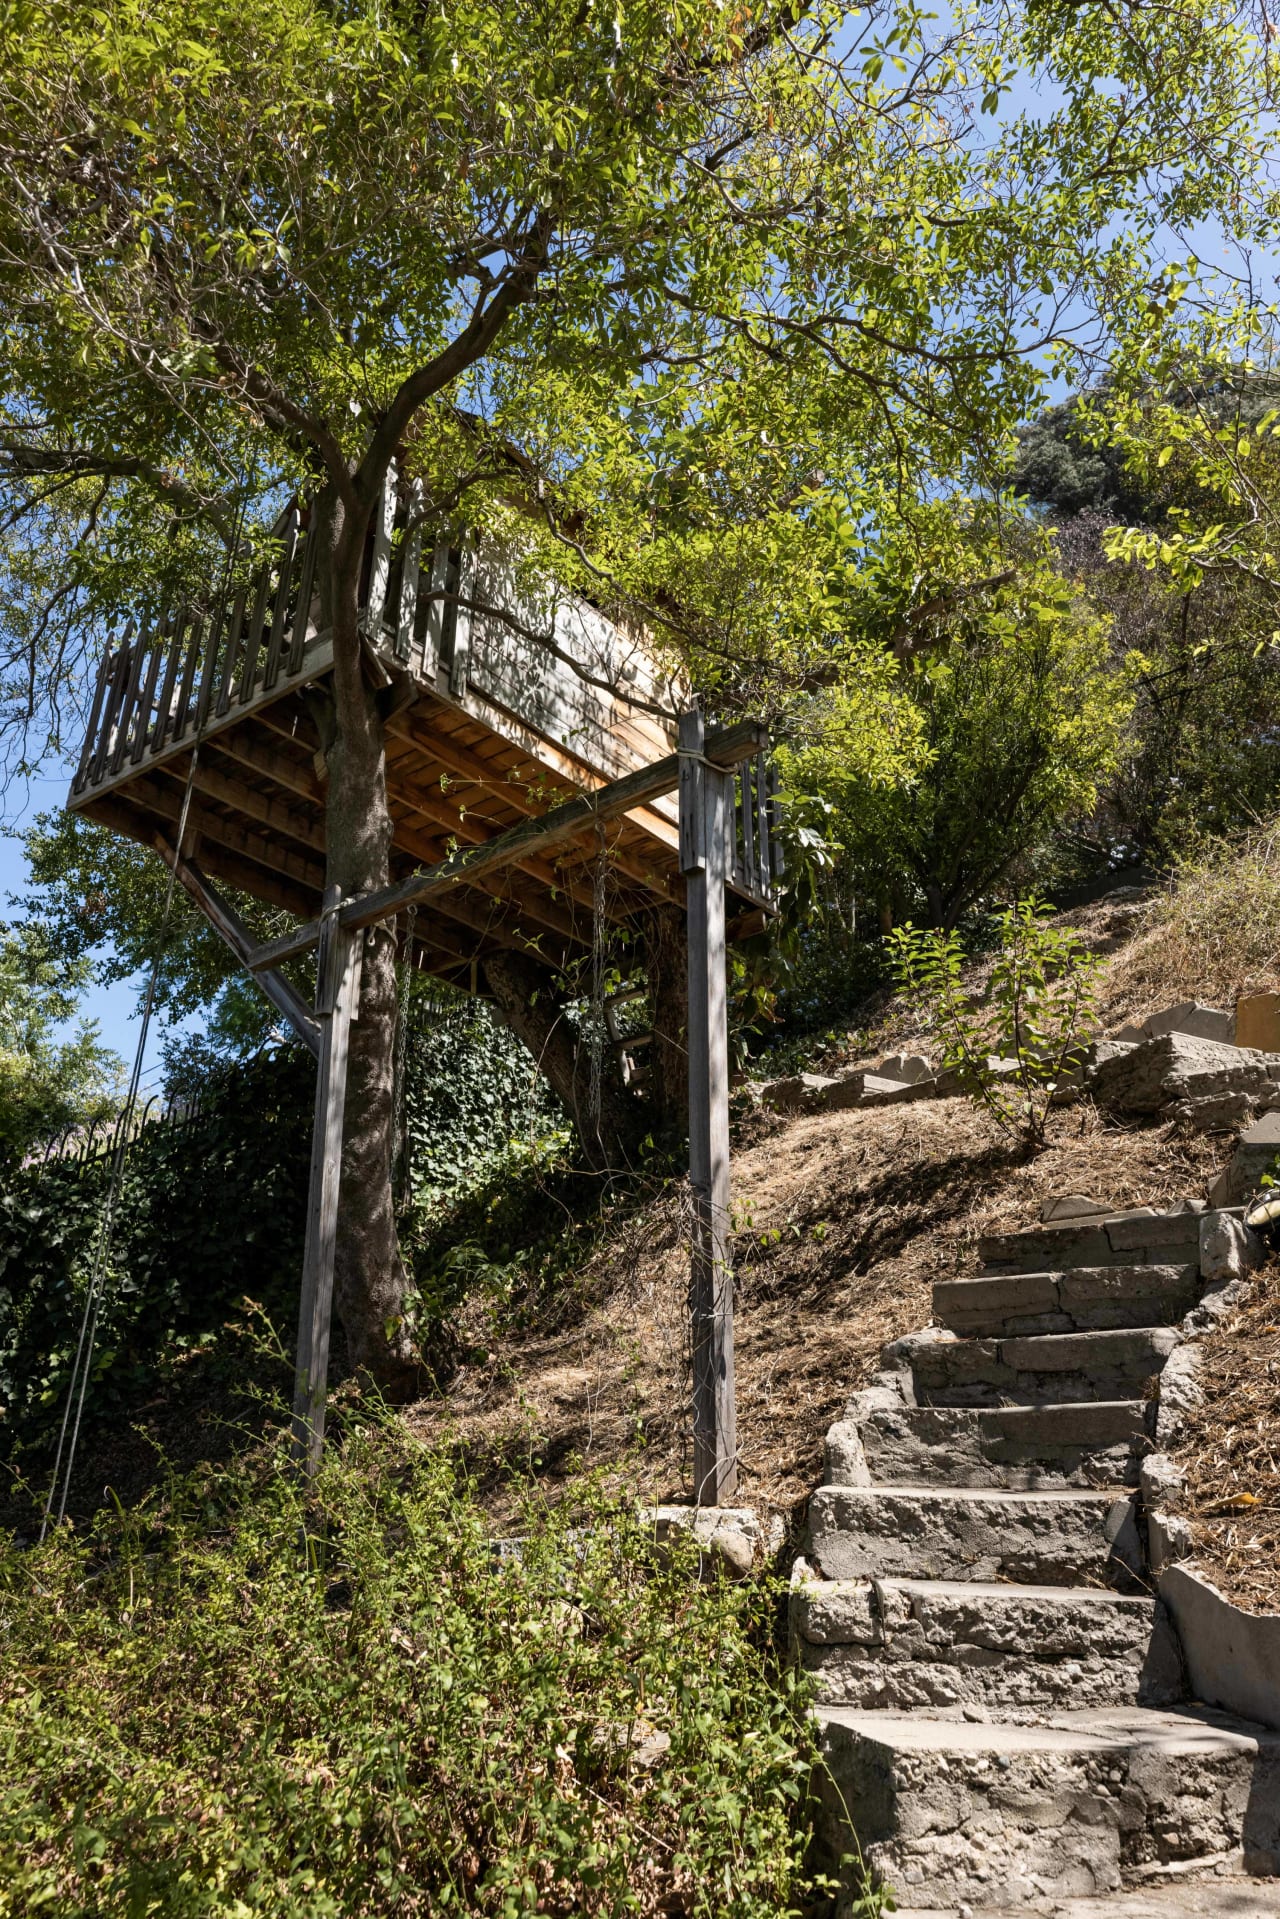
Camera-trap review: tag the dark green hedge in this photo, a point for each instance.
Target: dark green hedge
(208, 1211)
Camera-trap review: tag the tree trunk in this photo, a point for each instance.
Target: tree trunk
(528, 1001)
(370, 1284)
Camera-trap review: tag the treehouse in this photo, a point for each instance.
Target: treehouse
(539, 779)
(501, 702)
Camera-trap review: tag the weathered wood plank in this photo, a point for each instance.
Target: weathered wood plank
(380, 564)
(410, 570)
(173, 659)
(706, 809)
(128, 706)
(182, 712)
(245, 800)
(279, 613)
(554, 828)
(139, 823)
(95, 719)
(162, 800)
(296, 776)
(306, 586)
(253, 639)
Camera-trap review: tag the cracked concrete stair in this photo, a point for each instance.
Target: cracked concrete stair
(959, 1532)
(991, 1815)
(1038, 1368)
(1083, 1299)
(1021, 1650)
(1016, 1447)
(1004, 1708)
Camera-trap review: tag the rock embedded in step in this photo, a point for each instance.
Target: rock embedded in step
(797, 1093)
(846, 1463)
(1228, 1250)
(1196, 1020)
(1064, 1206)
(1174, 1069)
(1256, 1149)
(877, 1091)
(728, 1537)
(910, 1069)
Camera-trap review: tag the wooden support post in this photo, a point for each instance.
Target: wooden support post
(706, 821)
(337, 998)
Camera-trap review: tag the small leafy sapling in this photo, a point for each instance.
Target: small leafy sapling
(1012, 1048)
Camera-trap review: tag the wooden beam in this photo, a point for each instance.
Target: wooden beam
(337, 997)
(227, 922)
(706, 822)
(294, 775)
(439, 813)
(163, 801)
(253, 805)
(556, 828)
(461, 759)
(110, 810)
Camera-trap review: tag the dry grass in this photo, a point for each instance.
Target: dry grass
(1230, 1452)
(1213, 933)
(844, 1221)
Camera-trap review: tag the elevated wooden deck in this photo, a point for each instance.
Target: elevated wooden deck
(502, 702)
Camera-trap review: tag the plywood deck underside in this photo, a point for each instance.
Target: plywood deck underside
(256, 822)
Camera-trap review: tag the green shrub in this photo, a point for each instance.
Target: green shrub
(254, 1699)
(1040, 996)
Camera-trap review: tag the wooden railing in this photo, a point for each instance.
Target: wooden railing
(756, 863)
(167, 679)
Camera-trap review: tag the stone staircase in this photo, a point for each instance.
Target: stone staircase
(1006, 1725)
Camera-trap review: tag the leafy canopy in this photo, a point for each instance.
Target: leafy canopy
(653, 280)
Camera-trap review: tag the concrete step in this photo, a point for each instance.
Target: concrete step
(1018, 1651)
(1089, 1443)
(945, 1532)
(1034, 1369)
(1224, 1896)
(1141, 1237)
(954, 1813)
(1081, 1299)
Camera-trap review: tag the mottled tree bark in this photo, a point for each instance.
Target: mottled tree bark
(527, 998)
(370, 1284)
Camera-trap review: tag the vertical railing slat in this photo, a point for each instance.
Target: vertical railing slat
(409, 578)
(437, 587)
(95, 715)
(174, 655)
(234, 626)
(380, 567)
(142, 719)
(762, 826)
(253, 638)
(115, 696)
(302, 611)
(124, 721)
(271, 672)
(209, 666)
(461, 661)
(182, 716)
